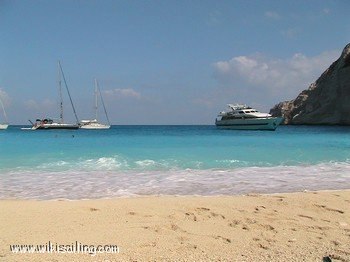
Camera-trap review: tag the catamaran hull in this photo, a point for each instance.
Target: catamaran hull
(270, 123)
(3, 126)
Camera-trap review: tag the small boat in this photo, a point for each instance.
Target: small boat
(5, 125)
(94, 124)
(243, 117)
(48, 123)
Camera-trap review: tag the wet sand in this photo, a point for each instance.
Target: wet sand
(304, 226)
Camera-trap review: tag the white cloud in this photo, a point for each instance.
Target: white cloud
(326, 11)
(123, 92)
(272, 15)
(272, 76)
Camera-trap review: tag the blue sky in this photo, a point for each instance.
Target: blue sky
(164, 62)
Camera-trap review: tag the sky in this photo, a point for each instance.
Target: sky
(163, 62)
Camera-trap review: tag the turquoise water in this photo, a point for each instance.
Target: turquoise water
(180, 160)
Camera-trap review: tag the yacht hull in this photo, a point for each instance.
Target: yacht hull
(269, 123)
(55, 126)
(95, 126)
(3, 126)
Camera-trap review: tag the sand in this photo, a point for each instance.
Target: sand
(305, 226)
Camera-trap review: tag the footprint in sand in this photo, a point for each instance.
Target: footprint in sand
(234, 223)
(226, 240)
(216, 215)
(262, 246)
(308, 217)
(175, 227)
(244, 227)
(330, 209)
(268, 227)
(191, 216)
(211, 214)
(258, 208)
(156, 229)
(203, 209)
(251, 221)
(191, 246)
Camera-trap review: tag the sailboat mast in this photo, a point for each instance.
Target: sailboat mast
(3, 109)
(103, 103)
(70, 98)
(60, 92)
(96, 105)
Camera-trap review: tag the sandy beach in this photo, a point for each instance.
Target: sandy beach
(305, 226)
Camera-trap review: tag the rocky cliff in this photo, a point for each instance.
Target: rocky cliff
(325, 102)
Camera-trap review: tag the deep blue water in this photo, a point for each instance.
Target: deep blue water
(183, 160)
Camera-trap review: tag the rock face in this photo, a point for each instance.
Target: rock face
(325, 102)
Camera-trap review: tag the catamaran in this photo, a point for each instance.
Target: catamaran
(246, 118)
(48, 123)
(94, 124)
(5, 125)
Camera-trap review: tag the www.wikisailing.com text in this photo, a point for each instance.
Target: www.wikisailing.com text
(73, 248)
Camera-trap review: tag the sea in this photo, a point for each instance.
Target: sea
(128, 161)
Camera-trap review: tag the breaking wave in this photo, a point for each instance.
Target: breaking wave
(108, 177)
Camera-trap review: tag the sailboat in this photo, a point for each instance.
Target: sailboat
(48, 123)
(5, 125)
(94, 124)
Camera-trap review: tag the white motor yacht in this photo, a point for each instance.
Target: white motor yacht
(246, 118)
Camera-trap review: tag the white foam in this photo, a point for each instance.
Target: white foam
(146, 163)
(103, 183)
(53, 164)
(228, 161)
(103, 163)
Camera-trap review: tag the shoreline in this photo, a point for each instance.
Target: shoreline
(175, 196)
(254, 227)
